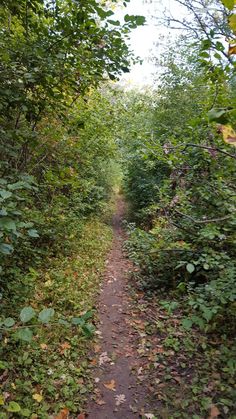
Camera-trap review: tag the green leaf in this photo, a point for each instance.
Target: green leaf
(77, 321)
(26, 314)
(217, 115)
(13, 407)
(3, 212)
(88, 329)
(6, 249)
(9, 322)
(33, 233)
(229, 4)
(7, 223)
(136, 19)
(114, 22)
(140, 20)
(87, 315)
(187, 323)
(190, 268)
(46, 314)
(5, 194)
(25, 412)
(207, 314)
(24, 334)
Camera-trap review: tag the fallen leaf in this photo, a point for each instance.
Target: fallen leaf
(214, 412)
(43, 346)
(80, 380)
(104, 358)
(120, 399)
(63, 414)
(100, 402)
(81, 416)
(111, 385)
(65, 346)
(97, 348)
(38, 397)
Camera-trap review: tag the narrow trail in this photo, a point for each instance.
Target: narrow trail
(117, 393)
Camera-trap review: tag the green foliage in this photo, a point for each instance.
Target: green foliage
(180, 181)
(57, 152)
(49, 361)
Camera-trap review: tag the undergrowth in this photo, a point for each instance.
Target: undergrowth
(51, 374)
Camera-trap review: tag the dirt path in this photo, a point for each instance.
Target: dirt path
(118, 395)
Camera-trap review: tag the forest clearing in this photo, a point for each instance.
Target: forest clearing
(117, 217)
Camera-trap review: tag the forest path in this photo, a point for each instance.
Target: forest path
(118, 393)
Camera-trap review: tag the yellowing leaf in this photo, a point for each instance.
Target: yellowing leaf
(229, 134)
(38, 397)
(111, 385)
(232, 22)
(229, 4)
(232, 49)
(1, 400)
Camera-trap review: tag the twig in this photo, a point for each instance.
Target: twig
(204, 147)
(213, 220)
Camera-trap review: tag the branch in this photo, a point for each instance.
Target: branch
(213, 220)
(204, 147)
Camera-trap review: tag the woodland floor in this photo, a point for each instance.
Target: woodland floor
(145, 364)
(118, 393)
(141, 363)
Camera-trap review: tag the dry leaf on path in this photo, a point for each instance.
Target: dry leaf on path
(97, 348)
(111, 385)
(100, 402)
(104, 358)
(120, 399)
(214, 412)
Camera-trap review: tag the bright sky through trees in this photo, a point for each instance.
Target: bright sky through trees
(147, 38)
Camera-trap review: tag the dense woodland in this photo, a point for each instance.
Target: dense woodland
(69, 137)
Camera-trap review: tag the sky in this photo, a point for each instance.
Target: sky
(143, 38)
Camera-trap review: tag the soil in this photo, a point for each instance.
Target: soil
(118, 393)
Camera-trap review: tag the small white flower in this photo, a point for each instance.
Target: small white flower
(50, 371)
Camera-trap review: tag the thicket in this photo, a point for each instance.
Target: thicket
(180, 178)
(57, 170)
(56, 142)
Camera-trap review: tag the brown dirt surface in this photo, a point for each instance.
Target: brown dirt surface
(118, 394)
